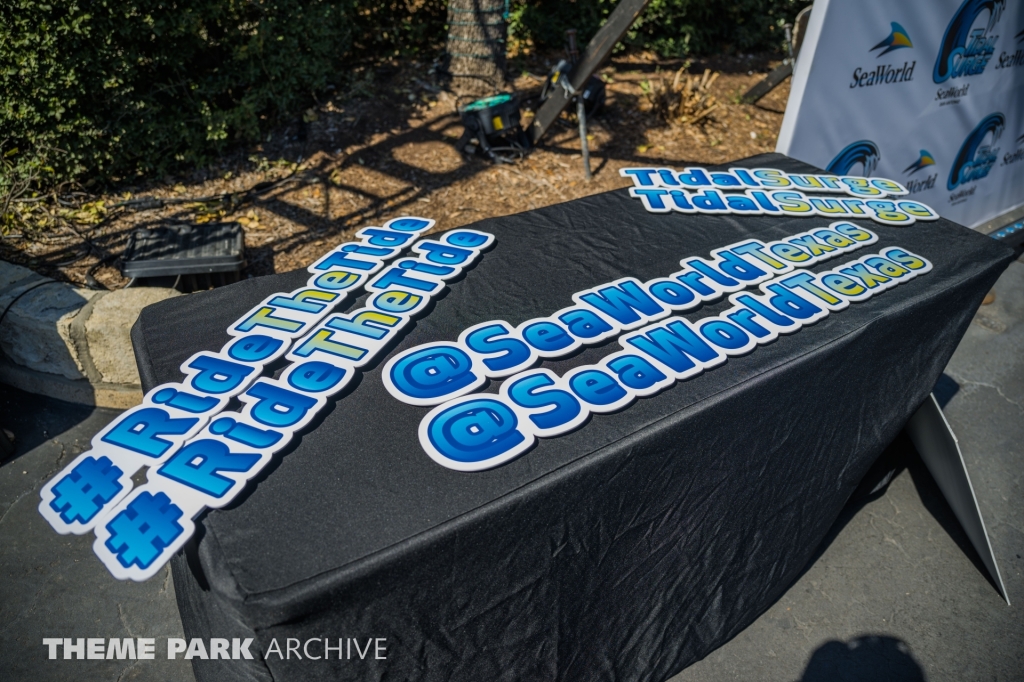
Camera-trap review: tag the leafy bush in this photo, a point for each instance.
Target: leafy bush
(671, 28)
(110, 88)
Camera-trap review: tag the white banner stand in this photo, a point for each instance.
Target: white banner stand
(940, 450)
(926, 92)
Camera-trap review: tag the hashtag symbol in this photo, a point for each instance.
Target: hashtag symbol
(146, 526)
(83, 492)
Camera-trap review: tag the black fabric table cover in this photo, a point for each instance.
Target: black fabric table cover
(626, 550)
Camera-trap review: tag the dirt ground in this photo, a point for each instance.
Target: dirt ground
(388, 150)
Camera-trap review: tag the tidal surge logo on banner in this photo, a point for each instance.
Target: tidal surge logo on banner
(975, 159)
(966, 50)
(468, 431)
(200, 456)
(863, 153)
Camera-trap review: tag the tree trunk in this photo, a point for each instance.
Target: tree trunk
(476, 43)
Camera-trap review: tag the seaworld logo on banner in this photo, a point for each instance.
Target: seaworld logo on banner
(975, 160)
(887, 73)
(1017, 155)
(1007, 60)
(952, 94)
(768, 191)
(965, 50)
(923, 161)
(468, 431)
(200, 456)
(898, 38)
(863, 152)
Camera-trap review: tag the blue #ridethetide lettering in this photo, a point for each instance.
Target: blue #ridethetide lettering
(200, 456)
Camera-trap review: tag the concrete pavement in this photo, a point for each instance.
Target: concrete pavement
(895, 592)
(52, 585)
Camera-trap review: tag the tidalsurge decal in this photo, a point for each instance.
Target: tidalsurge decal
(199, 456)
(469, 431)
(767, 191)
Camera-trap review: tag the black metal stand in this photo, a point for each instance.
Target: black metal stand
(581, 114)
(597, 51)
(794, 39)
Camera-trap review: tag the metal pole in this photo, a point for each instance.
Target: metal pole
(572, 50)
(581, 114)
(619, 21)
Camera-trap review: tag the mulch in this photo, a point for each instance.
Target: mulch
(390, 151)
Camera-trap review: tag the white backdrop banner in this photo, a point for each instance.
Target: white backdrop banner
(927, 92)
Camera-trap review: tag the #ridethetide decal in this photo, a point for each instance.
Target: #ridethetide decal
(469, 431)
(767, 191)
(199, 456)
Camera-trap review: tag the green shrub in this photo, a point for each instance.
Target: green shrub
(109, 89)
(671, 28)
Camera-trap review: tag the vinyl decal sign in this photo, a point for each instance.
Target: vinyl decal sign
(767, 191)
(200, 456)
(469, 431)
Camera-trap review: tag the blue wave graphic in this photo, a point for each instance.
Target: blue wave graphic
(965, 158)
(864, 152)
(960, 28)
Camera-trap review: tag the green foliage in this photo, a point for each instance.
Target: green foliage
(110, 88)
(671, 28)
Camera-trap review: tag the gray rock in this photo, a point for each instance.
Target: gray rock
(54, 328)
(36, 329)
(11, 273)
(108, 327)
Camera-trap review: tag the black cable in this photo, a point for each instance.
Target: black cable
(90, 279)
(518, 153)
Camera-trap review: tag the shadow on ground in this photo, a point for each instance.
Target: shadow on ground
(901, 455)
(52, 585)
(869, 658)
(34, 419)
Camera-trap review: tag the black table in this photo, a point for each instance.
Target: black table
(624, 551)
